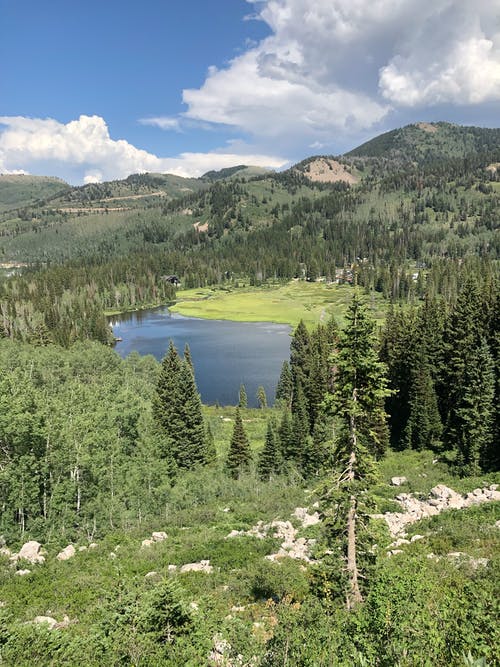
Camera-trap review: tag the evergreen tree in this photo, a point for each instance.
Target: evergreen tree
(358, 405)
(472, 426)
(284, 387)
(190, 448)
(300, 428)
(188, 358)
(268, 458)
(239, 455)
(167, 401)
(423, 428)
(242, 397)
(299, 357)
(177, 413)
(285, 436)
(261, 397)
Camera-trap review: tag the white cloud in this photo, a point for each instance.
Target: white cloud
(163, 122)
(85, 148)
(342, 65)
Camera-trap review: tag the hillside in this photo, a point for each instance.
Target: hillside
(19, 190)
(424, 142)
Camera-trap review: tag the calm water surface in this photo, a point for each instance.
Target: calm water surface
(225, 354)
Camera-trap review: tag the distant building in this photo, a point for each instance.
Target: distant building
(173, 280)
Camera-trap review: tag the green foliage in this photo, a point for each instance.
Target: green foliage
(242, 397)
(239, 455)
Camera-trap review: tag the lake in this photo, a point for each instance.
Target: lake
(225, 354)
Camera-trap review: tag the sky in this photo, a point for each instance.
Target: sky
(97, 90)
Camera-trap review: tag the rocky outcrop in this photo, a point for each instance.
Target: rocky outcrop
(441, 498)
(291, 545)
(67, 553)
(306, 519)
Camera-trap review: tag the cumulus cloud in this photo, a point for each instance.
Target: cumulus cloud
(85, 147)
(343, 65)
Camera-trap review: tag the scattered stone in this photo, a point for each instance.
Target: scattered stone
(441, 498)
(194, 606)
(305, 518)
(398, 481)
(159, 536)
(236, 608)
(82, 548)
(414, 538)
(172, 568)
(497, 523)
(226, 509)
(202, 566)
(67, 553)
(394, 552)
(30, 551)
(5, 552)
(220, 654)
(146, 543)
(22, 573)
(151, 575)
(112, 555)
(92, 545)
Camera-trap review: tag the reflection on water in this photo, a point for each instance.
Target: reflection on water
(225, 354)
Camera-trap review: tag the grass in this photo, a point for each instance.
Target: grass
(284, 304)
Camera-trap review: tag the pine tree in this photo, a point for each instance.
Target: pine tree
(240, 455)
(268, 458)
(177, 413)
(299, 356)
(358, 405)
(167, 401)
(191, 444)
(472, 427)
(284, 388)
(242, 397)
(285, 436)
(261, 397)
(423, 428)
(300, 428)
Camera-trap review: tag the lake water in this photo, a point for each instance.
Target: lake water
(225, 354)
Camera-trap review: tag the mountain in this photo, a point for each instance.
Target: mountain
(17, 190)
(424, 142)
(239, 171)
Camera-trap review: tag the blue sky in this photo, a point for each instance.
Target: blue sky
(97, 90)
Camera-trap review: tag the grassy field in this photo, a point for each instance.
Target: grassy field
(285, 304)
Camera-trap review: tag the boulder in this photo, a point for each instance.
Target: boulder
(398, 481)
(151, 575)
(22, 573)
(146, 543)
(67, 553)
(92, 545)
(47, 620)
(202, 566)
(159, 536)
(30, 551)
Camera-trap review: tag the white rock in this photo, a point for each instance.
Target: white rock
(31, 552)
(92, 545)
(112, 555)
(47, 620)
(417, 537)
(82, 548)
(4, 551)
(159, 536)
(151, 575)
(305, 518)
(67, 553)
(146, 543)
(398, 481)
(172, 568)
(202, 566)
(194, 606)
(22, 573)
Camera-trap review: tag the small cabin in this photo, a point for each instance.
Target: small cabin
(173, 280)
